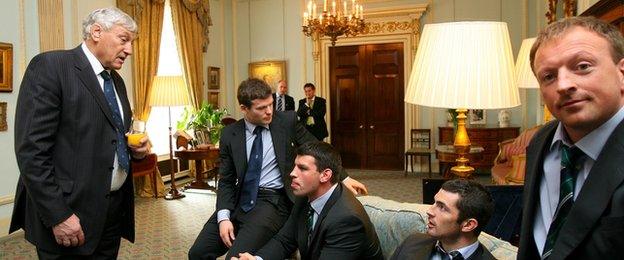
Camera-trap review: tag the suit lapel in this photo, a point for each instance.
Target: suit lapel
(89, 81)
(239, 148)
(279, 144)
(328, 205)
(595, 195)
(120, 88)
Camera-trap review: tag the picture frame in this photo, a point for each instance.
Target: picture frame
(6, 67)
(3, 117)
(269, 71)
(213, 98)
(214, 78)
(477, 117)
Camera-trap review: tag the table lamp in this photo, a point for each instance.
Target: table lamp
(168, 91)
(463, 65)
(524, 74)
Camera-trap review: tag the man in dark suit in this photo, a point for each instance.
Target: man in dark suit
(574, 188)
(281, 100)
(74, 197)
(312, 111)
(256, 154)
(327, 221)
(460, 211)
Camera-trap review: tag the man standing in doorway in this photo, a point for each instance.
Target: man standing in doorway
(312, 111)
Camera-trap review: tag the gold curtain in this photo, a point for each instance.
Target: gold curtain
(149, 17)
(191, 19)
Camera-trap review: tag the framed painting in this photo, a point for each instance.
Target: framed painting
(213, 98)
(269, 71)
(477, 117)
(3, 116)
(214, 78)
(6, 67)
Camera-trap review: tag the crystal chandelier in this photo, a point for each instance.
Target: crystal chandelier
(348, 20)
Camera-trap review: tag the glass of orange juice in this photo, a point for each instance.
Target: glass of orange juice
(137, 132)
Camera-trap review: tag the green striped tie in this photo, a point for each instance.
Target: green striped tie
(571, 164)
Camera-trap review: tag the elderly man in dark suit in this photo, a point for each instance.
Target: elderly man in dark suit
(327, 221)
(281, 100)
(574, 189)
(74, 197)
(255, 195)
(461, 209)
(312, 111)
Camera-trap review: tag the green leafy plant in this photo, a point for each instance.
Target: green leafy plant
(207, 118)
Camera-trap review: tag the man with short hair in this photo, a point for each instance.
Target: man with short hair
(282, 101)
(574, 188)
(255, 196)
(312, 111)
(461, 209)
(327, 221)
(74, 198)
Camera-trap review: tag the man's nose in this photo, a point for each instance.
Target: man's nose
(565, 81)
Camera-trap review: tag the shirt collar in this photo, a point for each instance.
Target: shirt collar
(320, 202)
(250, 127)
(466, 251)
(95, 63)
(592, 143)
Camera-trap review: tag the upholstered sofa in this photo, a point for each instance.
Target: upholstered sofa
(509, 164)
(394, 221)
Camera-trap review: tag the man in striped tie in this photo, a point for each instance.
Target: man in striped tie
(281, 100)
(574, 190)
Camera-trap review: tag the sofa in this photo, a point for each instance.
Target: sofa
(509, 164)
(394, 221)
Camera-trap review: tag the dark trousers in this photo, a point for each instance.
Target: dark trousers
(111, 236)
(252, 229)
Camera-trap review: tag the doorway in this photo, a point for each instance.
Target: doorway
(367, 109)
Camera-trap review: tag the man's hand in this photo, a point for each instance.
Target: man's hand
(139, 151)
(226, 232)
(355, 186)
(69, 232)
(244, 256)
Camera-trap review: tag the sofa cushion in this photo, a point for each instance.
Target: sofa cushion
(394, 221)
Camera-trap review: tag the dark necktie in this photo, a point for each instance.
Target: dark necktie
(571, 164)
(122, 150)
(455, 255)
(310, 222)
(280, 103)
(249, 191)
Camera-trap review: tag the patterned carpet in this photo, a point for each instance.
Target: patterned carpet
(166, 229)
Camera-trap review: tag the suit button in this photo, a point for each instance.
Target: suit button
(114, 142)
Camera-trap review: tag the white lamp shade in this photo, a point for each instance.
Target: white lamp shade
(169, 91)
(524, 74)
(464, 65)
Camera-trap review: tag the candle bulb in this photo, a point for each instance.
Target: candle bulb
(361, 12)
(310, 7)
(353, 7)
(324, 5)
(305, 18)
(314, 10)
(334, 7)
(344, 10)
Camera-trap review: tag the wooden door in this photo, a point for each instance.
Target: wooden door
(366, 88)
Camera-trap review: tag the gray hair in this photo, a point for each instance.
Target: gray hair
(107, 18)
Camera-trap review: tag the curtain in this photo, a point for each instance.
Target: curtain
(148, 15)
(191, 20)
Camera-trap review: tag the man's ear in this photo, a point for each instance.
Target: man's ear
(620, 68)
(326, 175)
(468, 225)
(96, 32)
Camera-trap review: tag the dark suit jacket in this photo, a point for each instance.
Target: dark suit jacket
(286, 133)
(319, 129)
(65, 146)
(420, 246)
(594, 228)
(290, 102)
(342, 231)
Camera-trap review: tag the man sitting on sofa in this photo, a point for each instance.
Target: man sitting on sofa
(327, 221)
(461, 209)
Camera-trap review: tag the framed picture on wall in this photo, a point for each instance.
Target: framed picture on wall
(3, 116)
(477, 117)
(213, 98)
(269, 71)
(6, 67)
(214, 78)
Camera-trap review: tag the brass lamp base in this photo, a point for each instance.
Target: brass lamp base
(462, 147)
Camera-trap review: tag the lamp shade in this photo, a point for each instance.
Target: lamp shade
(524, 74)
(464, 65)
(168, 91)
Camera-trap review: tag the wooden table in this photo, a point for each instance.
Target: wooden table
(446, 157)
(198, 155)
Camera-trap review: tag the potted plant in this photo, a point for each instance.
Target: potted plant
(204, 122)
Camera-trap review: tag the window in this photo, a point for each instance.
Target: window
(168, 64)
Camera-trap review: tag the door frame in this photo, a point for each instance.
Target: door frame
(383, 25)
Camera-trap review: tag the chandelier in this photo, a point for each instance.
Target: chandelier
(348, 20)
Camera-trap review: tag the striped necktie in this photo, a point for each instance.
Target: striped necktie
(571, 164)
(280, 103)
